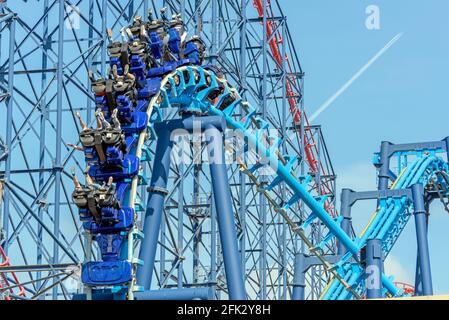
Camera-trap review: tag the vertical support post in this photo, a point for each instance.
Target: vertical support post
(162, 251)
(42, 134)
(213, 246)
(302, 154)
(373, 270)
(145, 11)
(180, 220)
(418, 283)
(8, 138)
(197, 168)
(299, 278)
(345, 212)
(104, 14)
(446, 141)
(214, 28)
(87, 258)
(155, 207)
(284, 151)
(2, 12)
(198, 17)
(385, 165)
(90, 59)
(421, 238)
(130, 10)
(2, 78)
(242, 176)
(262, 199)
(58, 158)
(225, 215)
(196, 226)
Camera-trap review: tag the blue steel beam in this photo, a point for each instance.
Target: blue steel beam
(176, 294)
(58, 165)
(9, 122)
(421, 237)
(222, 198)
(299, 281)
(153, 213)
(225, 214)
(388, 149)
(373, 269)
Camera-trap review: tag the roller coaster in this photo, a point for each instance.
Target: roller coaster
(151, 221)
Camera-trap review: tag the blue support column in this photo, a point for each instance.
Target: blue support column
(418, 283)
(176, 294)
(213, 248)
(299, 280)
(42, 142)
(421, 238)
(385, 165)
(345, 212)
(155, 207)
(225, 214)
(446, 144)
(373, 271)
(9, 114)
(58, 166)
(262, 198)
(104, 45)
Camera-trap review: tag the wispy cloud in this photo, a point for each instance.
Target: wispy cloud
(359, 176)
(401, 273)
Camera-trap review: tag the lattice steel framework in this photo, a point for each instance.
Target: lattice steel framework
(44, 82)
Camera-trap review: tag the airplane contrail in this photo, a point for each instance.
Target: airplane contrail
(328, 103)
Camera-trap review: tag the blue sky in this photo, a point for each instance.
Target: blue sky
(402, 97)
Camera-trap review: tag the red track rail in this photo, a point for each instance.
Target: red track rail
(4, 279)
(408, 289)
(310, 146)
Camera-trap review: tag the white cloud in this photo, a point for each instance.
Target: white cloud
(358, 177)
(400, 272)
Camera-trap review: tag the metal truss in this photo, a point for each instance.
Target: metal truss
(44, 82)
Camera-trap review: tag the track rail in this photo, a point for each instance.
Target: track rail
(185, 86)
(390, 219)
(256, 131)
(294, 95)
(7, 287)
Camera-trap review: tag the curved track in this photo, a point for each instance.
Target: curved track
(186, 86)
(390, 220)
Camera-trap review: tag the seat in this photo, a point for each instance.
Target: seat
(106, 273)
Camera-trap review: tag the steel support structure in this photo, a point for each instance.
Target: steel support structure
(373, 269)
(45, 77)
(43, 82)
(422, 240)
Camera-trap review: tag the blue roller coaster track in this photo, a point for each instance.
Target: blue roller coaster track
(163, 106)
(157, 68)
